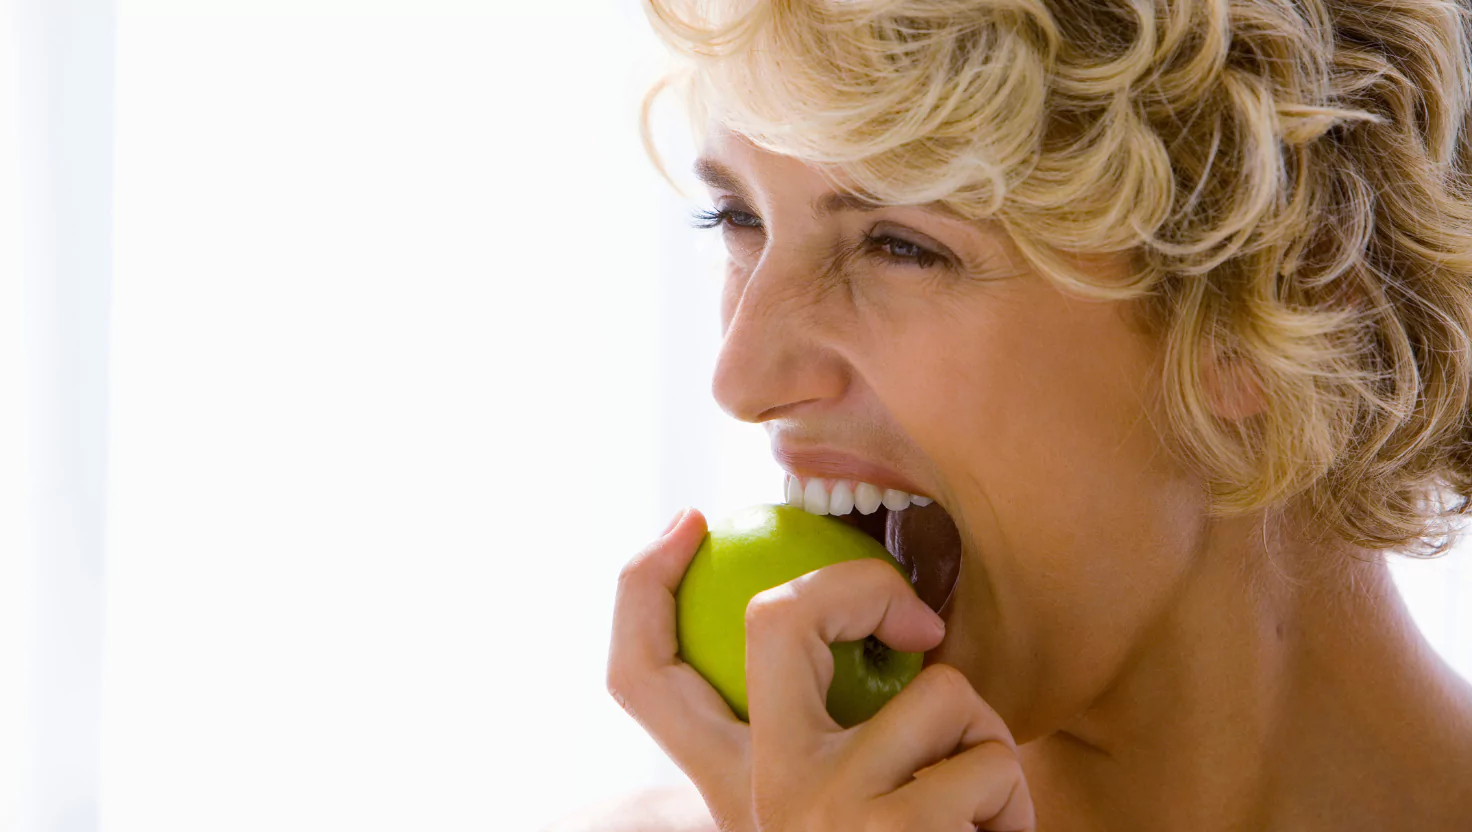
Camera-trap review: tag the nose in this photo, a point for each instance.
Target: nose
(777, 352)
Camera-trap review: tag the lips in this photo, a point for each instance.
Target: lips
(924, 540)
(834, 464)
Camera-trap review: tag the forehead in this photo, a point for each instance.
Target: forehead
(716, 137)
(717, 167)
(731, 152)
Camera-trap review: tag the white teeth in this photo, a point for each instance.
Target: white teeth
(838, 498)
(794, 491)
(867, 498)
(815, 496)
(896, 500)
(841, 501)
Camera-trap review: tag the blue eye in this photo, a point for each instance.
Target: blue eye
(922, 257)
(891, 249)
(711, 219)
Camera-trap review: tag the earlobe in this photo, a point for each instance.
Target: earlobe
(1232, 388)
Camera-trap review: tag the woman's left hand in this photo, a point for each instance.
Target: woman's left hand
(934, 757)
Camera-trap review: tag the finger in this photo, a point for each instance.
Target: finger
(936, 715)
(789, 627)
(643, 635)
(983, 785)
(674, 703)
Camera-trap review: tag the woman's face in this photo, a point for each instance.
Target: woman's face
(1023, 411)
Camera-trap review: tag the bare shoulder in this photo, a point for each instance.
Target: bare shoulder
(1429, 764)
(660, 809)
(1441, 795)
(1454, 807)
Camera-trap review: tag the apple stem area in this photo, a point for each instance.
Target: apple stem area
(875, 652)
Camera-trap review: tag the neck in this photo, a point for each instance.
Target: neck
(1267, 696)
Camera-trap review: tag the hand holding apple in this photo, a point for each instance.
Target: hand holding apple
(756, 549)
(934, 756)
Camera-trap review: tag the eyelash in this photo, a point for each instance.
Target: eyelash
(924, 258)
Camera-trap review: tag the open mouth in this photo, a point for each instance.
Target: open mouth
(924, 540)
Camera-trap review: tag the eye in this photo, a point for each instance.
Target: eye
(888, 248)
(903, 251)
(725, 216)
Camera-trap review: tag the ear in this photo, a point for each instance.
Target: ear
(1233, 389)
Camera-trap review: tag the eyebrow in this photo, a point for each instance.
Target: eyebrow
(722, 178)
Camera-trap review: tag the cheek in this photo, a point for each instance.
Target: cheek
(1081, 524)
(1051, 418)
(1068, 454)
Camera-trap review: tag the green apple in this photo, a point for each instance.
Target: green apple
(760, 547)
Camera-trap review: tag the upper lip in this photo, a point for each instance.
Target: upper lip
(834, 464)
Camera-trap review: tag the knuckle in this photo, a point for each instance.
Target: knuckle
(1014, 763)
(619, 688)
(864, 572)
(947, 683)
(769, 606)
(882, 572)
(994, 758)
(616, 690)
(630, 572)
(996, 754)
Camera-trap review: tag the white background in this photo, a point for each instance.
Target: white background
(348, 352)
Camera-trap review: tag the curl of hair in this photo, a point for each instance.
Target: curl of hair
(1292, 180)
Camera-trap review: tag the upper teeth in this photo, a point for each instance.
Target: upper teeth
(824, 496)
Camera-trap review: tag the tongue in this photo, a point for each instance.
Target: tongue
(924, 541)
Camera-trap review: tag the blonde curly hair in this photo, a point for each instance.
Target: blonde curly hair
(1292, 180)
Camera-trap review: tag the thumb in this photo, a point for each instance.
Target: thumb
(680, 515)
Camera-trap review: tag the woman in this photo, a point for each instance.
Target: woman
(1166, 305)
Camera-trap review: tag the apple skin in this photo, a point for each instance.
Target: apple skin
(760, 547)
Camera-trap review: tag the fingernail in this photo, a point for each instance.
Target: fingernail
(675, 522)
(936, 622)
